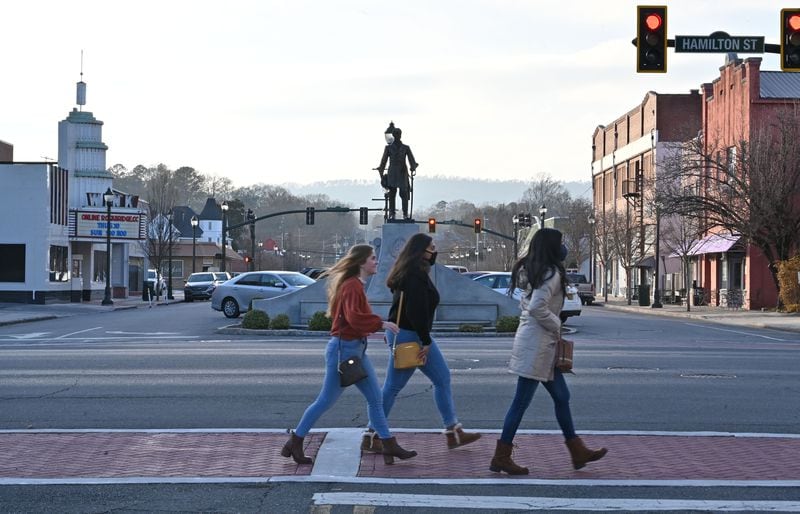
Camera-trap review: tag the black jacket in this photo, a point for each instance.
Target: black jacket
(419, 304)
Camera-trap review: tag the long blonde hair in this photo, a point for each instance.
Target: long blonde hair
(347, 267)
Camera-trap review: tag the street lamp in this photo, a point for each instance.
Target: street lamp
(591, 221)
(223, 266)
(251, 217)
(169, 271)
(515, 222)
(542, 214)
(108, 197)
(194, 222)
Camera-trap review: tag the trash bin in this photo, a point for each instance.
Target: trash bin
(644, 295)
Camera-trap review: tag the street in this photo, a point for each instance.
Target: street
(166, 368)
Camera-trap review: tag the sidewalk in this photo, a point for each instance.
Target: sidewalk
(634, 458)
(13, 313)
(740, 317)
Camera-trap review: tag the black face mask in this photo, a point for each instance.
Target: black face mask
(564, 252)
(432, 257)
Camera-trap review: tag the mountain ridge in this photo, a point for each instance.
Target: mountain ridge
(431, 190)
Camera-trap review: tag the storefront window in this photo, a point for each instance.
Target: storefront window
(13, 258)
(58, 263)
(99, 271)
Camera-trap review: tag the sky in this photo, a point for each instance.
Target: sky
(300, 91)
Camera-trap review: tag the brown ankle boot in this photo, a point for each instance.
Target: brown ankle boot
(391, 450)
(581, 454)
(294, 449)
(502, 460)
(457, 437)
(371, 443)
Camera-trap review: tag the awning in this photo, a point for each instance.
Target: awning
(714, 243)
(647, 262)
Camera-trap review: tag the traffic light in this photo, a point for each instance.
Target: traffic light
(363, 216)
(477, 225)
(651, 39)
(309, 215)
(527, 218)
(790, 39)
(431, 225)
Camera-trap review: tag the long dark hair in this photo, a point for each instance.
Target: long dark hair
(410, 257)
(544, 254)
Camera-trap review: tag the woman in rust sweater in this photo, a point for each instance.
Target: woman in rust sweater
(353, 321)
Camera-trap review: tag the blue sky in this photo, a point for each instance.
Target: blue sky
(300, 91)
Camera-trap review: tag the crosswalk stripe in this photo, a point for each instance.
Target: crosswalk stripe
(533, 503)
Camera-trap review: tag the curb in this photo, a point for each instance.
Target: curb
(26, 320)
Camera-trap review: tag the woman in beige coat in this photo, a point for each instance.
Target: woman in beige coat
(541, 274)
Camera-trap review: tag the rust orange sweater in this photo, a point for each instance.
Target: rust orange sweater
(352, 315)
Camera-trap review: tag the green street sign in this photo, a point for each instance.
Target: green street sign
(719, 43)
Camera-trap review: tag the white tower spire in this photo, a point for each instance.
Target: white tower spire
(81, 88)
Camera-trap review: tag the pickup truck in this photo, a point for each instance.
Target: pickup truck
(585, 288)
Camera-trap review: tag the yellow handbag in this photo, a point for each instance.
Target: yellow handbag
(406, 354)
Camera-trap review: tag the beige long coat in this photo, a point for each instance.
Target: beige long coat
(534, 352)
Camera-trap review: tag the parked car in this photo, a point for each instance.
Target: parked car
(457, 269)
(234, 296)
(199, 286)
(499, 281)
(155, 282)
(585, 288)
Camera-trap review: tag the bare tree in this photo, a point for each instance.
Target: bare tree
(603, 246)
(161, 191)
(577, 230)
(625, 238)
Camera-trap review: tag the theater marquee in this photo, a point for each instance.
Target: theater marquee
(94, 225)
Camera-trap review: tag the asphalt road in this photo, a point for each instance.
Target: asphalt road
(166, 368)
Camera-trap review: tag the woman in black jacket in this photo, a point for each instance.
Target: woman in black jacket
(409, 276)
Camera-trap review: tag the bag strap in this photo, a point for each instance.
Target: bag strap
(399, 310)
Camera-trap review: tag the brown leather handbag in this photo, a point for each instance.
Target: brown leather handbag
(564, 353)
(406, 354)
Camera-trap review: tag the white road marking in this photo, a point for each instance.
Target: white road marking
(533, 503)
(78, 332)
(141, 333)
(33, 336)
(742, 333)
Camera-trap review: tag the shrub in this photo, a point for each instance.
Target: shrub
(790, 289)
(279, 322)
(258, 320)
(469, 327)
(319, 321)
(507, 323)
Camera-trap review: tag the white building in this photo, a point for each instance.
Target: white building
(53, 245)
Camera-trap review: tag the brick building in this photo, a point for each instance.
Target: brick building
(631, 147)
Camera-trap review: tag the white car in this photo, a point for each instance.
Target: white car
(234, 296)
(500, 280)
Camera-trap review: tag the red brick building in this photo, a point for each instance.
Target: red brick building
(741, 101)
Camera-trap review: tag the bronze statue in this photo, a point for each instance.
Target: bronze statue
(397, 176)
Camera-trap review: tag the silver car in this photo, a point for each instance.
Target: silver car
(234, 296)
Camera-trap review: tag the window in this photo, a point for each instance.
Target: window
(58, 263)
(99, 271)
(177, 269)
(12, 257)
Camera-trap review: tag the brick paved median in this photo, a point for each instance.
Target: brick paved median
(193, 454)
(630, 457)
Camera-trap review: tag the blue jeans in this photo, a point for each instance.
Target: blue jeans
(331, 390)
(435, 369)
(525, 388)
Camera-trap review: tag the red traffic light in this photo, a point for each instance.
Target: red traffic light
(653, 21)
(431, 225)
(794, 22)
(477, 225)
